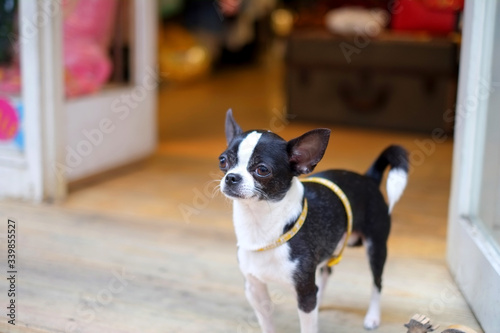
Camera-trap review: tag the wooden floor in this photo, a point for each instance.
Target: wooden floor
(152, 248)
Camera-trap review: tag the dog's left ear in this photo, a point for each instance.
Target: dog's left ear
(232, 127)
(307, 150)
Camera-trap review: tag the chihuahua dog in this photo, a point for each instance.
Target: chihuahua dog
(288, 230)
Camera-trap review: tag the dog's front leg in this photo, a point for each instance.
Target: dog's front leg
(307, 297)
(309, 321)
(258, 297)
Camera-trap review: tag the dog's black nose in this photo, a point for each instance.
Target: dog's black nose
(233, 178)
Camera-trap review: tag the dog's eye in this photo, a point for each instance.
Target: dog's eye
(262, 171)
(223, 163)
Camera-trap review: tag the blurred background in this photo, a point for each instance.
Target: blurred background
(380, 64)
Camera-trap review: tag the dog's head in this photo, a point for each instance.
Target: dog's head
(260, 165)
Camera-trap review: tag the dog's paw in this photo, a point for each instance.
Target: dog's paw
(372, 321)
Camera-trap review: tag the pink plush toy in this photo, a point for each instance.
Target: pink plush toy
(10, 79)
(87, 32)
(86, 67)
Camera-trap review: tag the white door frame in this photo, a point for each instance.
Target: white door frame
(56, 128)
(29, 175)
(473, 258)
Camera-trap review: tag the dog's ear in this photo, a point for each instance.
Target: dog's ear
(307, 150)
(232, 128)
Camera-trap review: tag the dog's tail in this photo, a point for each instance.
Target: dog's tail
(397, 158)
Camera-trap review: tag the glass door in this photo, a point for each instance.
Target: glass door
(31, 115)
(103, 61)
(11, 110)
(486, 205)
(110, 119)
(474, 217)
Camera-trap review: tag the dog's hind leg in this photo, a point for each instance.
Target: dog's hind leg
(372, 318)
(377, 254)
(258, 297)
(322, 275)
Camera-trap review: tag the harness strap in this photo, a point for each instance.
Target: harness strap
(335, 259)
(290, 233)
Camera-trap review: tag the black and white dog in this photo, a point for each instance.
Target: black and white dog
(261, 172)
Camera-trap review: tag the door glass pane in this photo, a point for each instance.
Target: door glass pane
(488, 206)
(488, 185)
(11, 110)
(96, 38)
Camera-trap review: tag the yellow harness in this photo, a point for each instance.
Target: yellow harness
(335, 259)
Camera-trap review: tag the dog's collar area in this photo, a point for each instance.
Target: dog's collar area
(335, 259)
(290, 233)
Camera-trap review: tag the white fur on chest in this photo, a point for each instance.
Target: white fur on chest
(268, 266)
(259, 223)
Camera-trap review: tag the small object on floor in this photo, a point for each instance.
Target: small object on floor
(422, 324)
